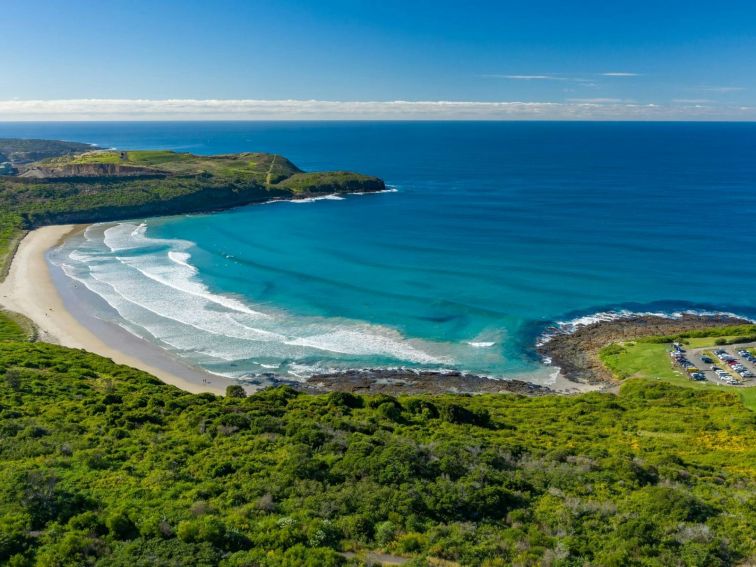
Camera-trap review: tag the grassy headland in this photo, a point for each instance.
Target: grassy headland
(107, 185)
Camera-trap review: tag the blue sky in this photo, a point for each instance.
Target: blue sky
(610, 58)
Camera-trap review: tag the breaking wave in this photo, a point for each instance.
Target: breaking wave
(159, 295)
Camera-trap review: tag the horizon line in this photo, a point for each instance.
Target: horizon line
(289, 110)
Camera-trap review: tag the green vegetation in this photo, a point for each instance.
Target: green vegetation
(265, 169)
(702, 337)
(110, 185)
(14, 327)
(103, 464)
(648, 358)
(19, 151)
(11, 233)
(329, 182)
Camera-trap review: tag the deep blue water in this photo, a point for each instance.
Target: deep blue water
(496, 229)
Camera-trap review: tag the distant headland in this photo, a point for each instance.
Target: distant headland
(45, 182)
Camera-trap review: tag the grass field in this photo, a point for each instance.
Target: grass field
(652, 362)
(263, 168)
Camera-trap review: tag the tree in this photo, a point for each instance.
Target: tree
(235, 391)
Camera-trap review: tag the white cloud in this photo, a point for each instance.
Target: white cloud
(527, 77)
(250, 109)
(692, 100)
(600, 100)
(618, 74)
(721, 89)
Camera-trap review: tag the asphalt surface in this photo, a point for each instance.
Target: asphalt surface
(694, 355)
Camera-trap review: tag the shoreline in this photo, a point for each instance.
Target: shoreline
(60, 313)
(29, 289)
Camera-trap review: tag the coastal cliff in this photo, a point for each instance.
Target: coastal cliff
(88, 170)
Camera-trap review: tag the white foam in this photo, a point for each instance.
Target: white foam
(321, 198)
(390, 189)
(481, 344)
(182, 259)
(87, 232)
(365, 342)
(77, 256)
(182, 282)
(153, 286)
(569, 327)
(139, 231)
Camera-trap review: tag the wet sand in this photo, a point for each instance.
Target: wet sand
(62, 318)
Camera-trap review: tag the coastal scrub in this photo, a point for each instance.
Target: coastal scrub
(104, 464)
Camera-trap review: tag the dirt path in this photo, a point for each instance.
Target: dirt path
(270, 170)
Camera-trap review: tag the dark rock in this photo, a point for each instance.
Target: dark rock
(404, 381)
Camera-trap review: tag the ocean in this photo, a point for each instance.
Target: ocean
(493, 232)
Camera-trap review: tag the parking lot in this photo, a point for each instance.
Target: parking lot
(727, 365)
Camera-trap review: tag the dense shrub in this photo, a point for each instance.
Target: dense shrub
(101, 464)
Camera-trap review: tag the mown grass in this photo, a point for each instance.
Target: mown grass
(651, 361)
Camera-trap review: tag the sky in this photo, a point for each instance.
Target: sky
(387, 59)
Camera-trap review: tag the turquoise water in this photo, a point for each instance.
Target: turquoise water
(495, 231)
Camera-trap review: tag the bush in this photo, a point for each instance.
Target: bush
(235, 391)
(120, 525)
(205, 529)
(457, 414)
(656, 474)
(412, 542)
(345, 400)
(385, 532)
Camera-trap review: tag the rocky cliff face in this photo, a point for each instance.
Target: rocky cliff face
(89, 170)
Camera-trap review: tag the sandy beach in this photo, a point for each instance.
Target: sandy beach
(29, 289)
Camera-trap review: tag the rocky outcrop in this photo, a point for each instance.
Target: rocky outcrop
(396, 382)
